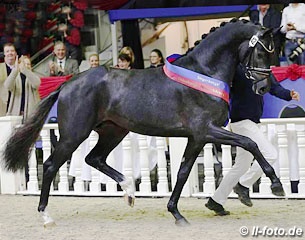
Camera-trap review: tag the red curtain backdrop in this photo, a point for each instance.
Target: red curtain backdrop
(49, 84)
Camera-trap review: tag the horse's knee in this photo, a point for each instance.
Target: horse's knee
(92, 161)
(48, 172)
(96, 162)
(89, 160)
(48, 169)
(250, 145)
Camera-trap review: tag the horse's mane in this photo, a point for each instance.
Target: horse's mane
(213, 29)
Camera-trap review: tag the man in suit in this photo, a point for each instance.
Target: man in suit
(60, 64)
(6, 67)
(270, 18)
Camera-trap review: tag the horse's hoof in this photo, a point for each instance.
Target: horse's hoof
(129, 199)
(182, 222)
(129, 190)
(277, 189)
(47, 220)
(49, 224)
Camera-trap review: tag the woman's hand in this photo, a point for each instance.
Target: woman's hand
(16, 65)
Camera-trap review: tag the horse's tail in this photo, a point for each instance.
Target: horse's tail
(18, 147)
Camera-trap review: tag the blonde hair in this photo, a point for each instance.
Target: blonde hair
(92, 60)
(95, 55)
(128, 50)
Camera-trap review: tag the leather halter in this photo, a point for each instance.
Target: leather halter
(249, 70)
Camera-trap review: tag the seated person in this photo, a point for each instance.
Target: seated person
(124, 61)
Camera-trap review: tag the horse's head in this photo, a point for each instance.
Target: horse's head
(257, 55)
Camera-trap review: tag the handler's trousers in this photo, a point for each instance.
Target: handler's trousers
(243, 160)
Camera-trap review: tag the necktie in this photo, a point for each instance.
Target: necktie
(60, 64)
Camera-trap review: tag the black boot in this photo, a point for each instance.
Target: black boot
(216, 207)
(243, 194)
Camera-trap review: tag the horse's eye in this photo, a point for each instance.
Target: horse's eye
(260, 55)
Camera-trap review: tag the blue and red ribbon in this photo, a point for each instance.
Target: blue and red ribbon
(195, 80)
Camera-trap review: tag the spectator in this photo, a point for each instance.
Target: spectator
(293, 18)
(72, 39)
(72, 18)
(22, 85)
(60, 64)
(94, 60)
(156, 58)
(124, 61)
(270, 18)
(128, 50)
(246, 111)
(10, 55)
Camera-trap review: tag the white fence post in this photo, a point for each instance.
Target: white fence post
(209, 179)
(77, 156)
(283, 157)
(226, 159)
(127, 159)
(264, 186)
(46, 147)
(33, 179)
(162, 185)
(145, 185)
(176, 149)
(301, 146)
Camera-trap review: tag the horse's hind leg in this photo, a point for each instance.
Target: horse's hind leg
(110, 135)
(191, 153)
(219, 135)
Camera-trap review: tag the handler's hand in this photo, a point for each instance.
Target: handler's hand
(295, 95)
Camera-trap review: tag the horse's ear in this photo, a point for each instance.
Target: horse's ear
(267, 31)
(276, 31)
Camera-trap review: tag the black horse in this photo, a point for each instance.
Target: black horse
(113, 102)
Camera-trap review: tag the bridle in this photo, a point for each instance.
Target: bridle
(248, 69)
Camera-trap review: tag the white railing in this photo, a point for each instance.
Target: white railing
(137, 155)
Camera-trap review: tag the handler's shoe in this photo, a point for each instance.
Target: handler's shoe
(216, 207)
(243, 194)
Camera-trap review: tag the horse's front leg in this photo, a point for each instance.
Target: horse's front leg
(220, 135)
(190, 155)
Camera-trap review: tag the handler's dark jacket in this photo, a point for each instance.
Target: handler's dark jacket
(245, 104)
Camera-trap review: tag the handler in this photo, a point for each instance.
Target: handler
(245, 113)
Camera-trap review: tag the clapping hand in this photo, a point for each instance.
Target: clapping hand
(21, 64)
(16, 65)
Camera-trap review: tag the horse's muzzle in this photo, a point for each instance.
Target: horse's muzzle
(262, 86)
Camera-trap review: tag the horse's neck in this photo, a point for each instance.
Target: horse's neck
(219, 66)
(217, 56)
